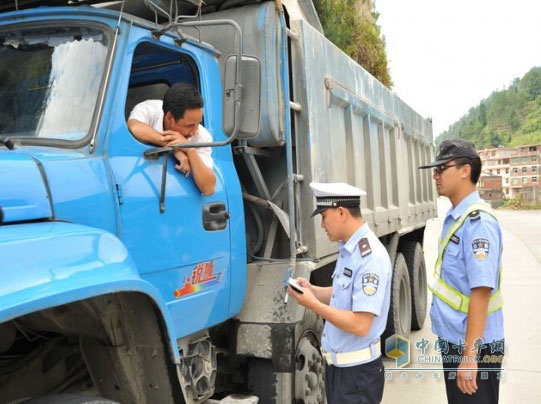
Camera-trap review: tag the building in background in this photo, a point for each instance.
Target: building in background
(518, 169)
(490, 189)
(498, 162)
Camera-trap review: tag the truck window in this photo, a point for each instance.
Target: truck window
(53, 91)
(154, 69)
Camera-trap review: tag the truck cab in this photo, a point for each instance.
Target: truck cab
(86, 214)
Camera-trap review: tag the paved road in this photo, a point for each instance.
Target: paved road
(522, 295)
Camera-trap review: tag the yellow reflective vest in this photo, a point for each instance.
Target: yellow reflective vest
(442, 289)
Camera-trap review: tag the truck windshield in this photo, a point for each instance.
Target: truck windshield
(49, 81)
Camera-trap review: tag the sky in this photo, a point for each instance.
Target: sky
(445, 56)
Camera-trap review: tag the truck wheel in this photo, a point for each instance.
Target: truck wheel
(308, 377)
(415, 260)
(69, 399)
(309, 373)
(399, 319)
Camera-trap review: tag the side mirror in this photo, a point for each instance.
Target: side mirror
(250, 100)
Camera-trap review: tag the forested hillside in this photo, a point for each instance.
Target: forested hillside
(510, 117)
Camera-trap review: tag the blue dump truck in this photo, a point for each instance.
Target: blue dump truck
(118, 278)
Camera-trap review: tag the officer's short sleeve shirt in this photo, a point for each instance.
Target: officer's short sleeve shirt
(361, 282)
(471, 259)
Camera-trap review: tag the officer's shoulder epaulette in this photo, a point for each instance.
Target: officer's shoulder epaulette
(364, 247)
(475, 215)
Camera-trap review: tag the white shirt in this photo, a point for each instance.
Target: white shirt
(151, 113)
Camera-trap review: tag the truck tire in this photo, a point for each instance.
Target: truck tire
(307, 378)
(69, 399)
(415, 260)
(309, 373)
(399, 319)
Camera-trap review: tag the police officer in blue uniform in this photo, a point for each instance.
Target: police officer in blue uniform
(355, 307)
(466, 309)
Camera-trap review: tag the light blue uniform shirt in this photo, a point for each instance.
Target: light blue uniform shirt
(361, 282)
(472, 259)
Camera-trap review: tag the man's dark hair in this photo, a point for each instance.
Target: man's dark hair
(475, 164)
(355, 212)
(180, 97)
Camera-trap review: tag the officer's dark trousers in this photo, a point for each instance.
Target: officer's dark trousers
(488, 381)
(361, 384)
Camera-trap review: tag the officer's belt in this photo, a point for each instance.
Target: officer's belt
(349, 358)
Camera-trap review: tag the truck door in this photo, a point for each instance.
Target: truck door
(180, 246)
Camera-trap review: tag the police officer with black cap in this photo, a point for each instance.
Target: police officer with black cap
(355, 307)
(466, 310)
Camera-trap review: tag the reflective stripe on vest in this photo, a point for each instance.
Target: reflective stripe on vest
(442, 289)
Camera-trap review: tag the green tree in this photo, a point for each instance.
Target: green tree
(531, 83)
(356, 33)
(482, 114)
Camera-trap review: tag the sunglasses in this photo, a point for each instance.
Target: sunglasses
(442, 167)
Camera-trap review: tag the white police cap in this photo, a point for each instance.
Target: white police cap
(335, 194)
